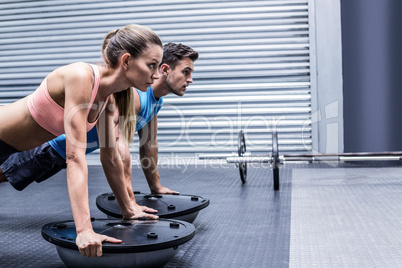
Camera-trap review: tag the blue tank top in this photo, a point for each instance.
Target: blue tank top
(150, 107)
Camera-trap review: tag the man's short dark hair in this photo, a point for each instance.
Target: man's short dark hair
(173, 52)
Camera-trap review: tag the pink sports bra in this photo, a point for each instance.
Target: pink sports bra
(50, 115)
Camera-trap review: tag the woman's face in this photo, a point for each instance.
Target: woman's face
(143, 70)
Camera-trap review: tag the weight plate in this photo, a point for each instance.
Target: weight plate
(276, 178)
(241, 149)
(275, 160)
(243, 172)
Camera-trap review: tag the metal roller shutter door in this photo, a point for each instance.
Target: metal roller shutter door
(253, 72)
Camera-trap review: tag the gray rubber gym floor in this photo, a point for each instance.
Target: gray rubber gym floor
(323, 216)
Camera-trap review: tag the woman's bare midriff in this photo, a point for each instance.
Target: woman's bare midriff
(22, 133)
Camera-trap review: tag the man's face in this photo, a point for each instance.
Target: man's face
(180, 77)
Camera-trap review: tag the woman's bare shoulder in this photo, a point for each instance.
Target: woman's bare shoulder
(75, 76)
(77, 70)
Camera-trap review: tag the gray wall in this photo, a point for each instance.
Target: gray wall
(372, 74)
(253, 72)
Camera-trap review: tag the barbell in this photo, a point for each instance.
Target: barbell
(275, 160)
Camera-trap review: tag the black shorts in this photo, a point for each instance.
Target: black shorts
(39, 164)
(5, 151)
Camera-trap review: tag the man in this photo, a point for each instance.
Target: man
(39, 164)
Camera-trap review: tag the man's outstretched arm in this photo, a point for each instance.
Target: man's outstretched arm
(149, 157)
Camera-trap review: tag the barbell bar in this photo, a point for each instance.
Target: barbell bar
(242, 157)
(241, 150)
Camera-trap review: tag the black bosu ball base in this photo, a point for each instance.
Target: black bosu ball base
(146, 243)
(169, 206)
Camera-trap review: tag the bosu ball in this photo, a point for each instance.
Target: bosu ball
(146, 243)
(169, 206)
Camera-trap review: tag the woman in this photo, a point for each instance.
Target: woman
(70, 100)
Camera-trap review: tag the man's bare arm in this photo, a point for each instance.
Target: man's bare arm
(149, 157)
